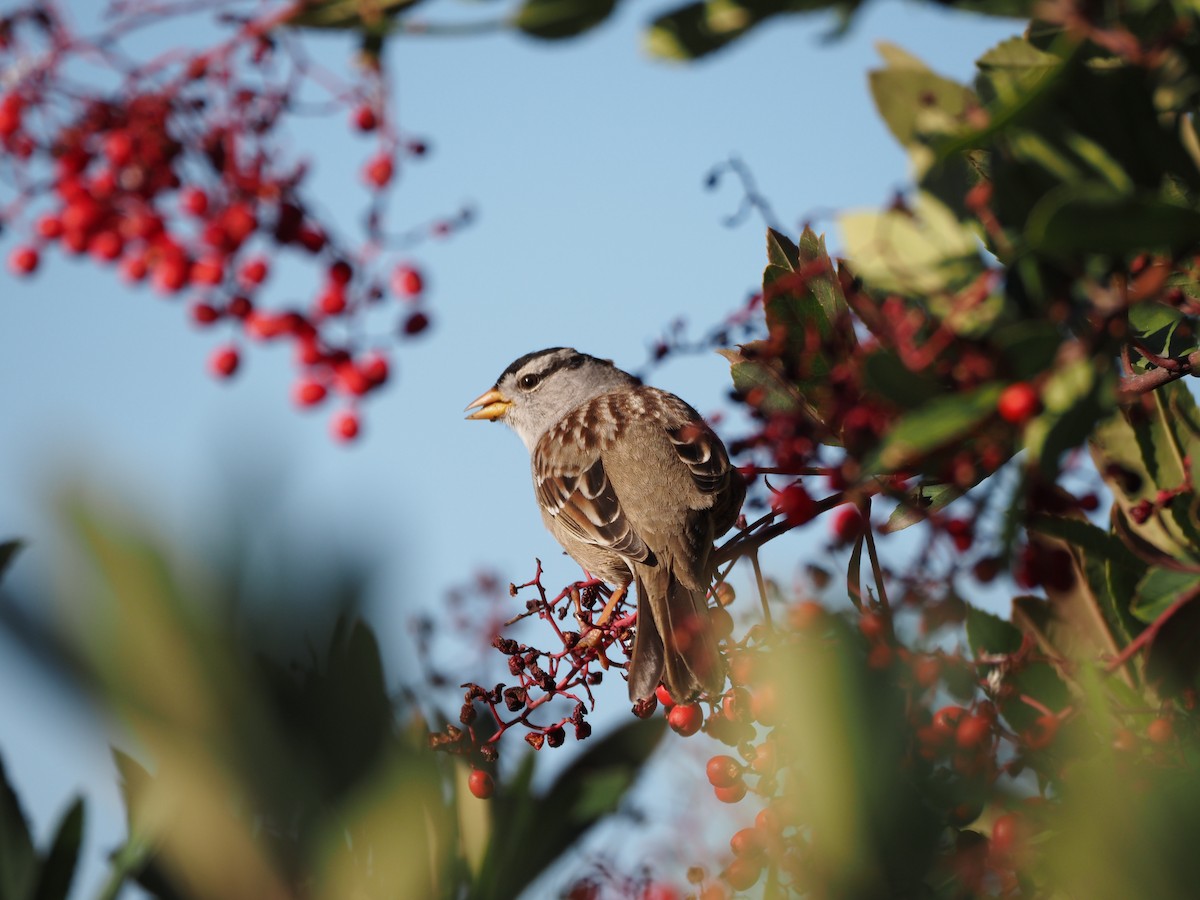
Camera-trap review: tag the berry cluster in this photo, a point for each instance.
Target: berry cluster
(179, 178)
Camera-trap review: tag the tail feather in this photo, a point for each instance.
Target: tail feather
(674, 642)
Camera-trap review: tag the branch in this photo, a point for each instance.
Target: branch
(1156, 378)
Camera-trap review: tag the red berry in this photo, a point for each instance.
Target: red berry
(416, 323)
(254, 271)
(209, 270)
(686, 719)
(224, 361)
(872, 626)
(238, 223)
(972, 731)
(345, 425)
(795, 504)
(722, 623)
(407, 281)
(352, 380)
(1018, 403)
(341, 272)
(333, 301)
(723, 771)
(23, 260)
(308, 393)
(134, 268)
(947, 718)
(10, 115)
(1042, 733)
(731, 794)
(806, 615)
(481, 784)
(927, 670)
(664, 696)
(742, 874)
(376, 370)
(365, 118)
(118, 147)
(205, 314)
(1006, 833)
(847, 524)
(1160, 731)
(747, 843)
(379, 171)
(170, 274)
(49, 226)
(193, 201)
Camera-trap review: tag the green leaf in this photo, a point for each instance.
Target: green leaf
(907, 91)
(1112, 569)
(919, 503)
(1088, 218)
(889, 377)
(1159, 589)
(591, 788)
(781, 251)
(347, 14)
(8, 551)
(58, 868)
(778, 394)
(990, 635)
(917, 251)
(695, 30)
(1029, 346)
(933, 425)
(557, 19)
(18, 860)
(1074, 399)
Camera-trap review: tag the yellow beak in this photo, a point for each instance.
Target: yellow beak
(491, 405)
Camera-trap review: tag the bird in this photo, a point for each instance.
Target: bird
(636, 487)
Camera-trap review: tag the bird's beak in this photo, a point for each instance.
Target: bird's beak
(491, 404)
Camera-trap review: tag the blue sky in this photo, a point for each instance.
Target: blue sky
(585, 161)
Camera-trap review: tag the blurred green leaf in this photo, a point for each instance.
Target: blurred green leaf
(347, 14)
(990, 635)
(694, 30)
(8, 551)
(933, 425)
(916, 251)
(589, 789)
(1158, 589)
(1074, 399)
(908, 90)
(1111, 568)
(919, 503)
(556, 19)
(889, 377)
(58, 868)
(18, 860)
(778, 394)
(1087, 218)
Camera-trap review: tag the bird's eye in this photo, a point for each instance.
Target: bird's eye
(530, 381)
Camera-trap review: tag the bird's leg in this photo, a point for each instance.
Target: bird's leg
(617, 596)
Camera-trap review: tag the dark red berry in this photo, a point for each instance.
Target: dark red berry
(481, 784)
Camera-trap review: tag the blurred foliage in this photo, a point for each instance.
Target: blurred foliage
(257, 769)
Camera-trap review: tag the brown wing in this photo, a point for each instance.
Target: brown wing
(572, 486)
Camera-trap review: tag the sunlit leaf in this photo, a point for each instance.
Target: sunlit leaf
(555, 19)
(933, 425)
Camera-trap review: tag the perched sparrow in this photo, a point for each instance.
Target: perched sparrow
(636, 487)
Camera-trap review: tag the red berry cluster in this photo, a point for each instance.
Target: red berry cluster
(180, 178)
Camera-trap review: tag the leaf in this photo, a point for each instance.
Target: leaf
(8, 551)
(933, 425)
(1029, 346)
(1159, 589)
(591, 788)
(919, 503)
(58, 868)
(888, 376)
(346, 14)
(781, 251)
(557, 19)
(1074, 399)
(751, 375)
(917, 251)
(990, 635)
(907, 90)
(1111, 569)
(1088, 218)
(1172, 663)
(18, 860)
(695, 30)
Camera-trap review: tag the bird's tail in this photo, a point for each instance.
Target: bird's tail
(674, 642)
